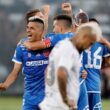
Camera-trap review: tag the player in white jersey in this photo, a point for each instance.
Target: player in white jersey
(62, 77)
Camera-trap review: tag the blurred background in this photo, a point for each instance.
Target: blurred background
(12, 29)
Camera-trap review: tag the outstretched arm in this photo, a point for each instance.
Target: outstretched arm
(11, 78)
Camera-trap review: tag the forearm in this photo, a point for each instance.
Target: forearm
(105, 42)
(62, 82)
(10, 79)
(35, 45)
(108, 45)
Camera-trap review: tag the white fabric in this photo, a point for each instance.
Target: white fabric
(64, 55)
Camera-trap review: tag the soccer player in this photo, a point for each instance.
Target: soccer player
(62, 78)
(92, 62)
(81, 18)
(33, 64)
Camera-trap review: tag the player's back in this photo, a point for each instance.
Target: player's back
(63, 50)
(92, 61)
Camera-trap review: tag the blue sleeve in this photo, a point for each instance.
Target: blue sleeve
(56, 39)
(59, 37)
(17, 58)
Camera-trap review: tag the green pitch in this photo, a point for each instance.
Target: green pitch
(10, 103)
(14, 103)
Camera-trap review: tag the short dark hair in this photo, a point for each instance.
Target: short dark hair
(36, 19)
(66, 18)
(31, 13)
(94, 20)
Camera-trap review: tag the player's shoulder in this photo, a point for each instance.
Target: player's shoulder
(65, 45)
(98, 44)
(20, 43)
(49, 35)
(67, 34)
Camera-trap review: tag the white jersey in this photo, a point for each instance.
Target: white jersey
(64, 54)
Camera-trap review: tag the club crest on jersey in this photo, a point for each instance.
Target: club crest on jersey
(46, 53)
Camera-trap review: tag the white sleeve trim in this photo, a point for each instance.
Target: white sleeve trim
(82, 81)
(16, 61)
(107, 55)
(93, 92)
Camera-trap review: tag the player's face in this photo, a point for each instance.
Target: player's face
(34, 31)
(56, 27)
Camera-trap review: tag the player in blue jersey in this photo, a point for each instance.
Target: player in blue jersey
(61, 29)
(92, 61)
(80, 19)
(33, 64)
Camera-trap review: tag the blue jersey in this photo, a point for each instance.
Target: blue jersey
(92, 61)
(34, 64)
(55, 38)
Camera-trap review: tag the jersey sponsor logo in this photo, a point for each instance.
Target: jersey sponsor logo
(36, 63)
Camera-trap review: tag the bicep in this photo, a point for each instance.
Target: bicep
(16, 68)
(62, 74)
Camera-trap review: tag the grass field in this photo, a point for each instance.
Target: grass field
(14, 103)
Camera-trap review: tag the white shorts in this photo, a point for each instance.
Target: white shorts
(44, 105)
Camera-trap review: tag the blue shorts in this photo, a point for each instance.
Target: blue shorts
(94, 101)
(28, 106)
(83, 98)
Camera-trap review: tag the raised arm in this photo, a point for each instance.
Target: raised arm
(46, 12)
(11, 78)
(67, 8)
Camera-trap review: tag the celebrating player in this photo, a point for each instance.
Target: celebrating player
(33, 64)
